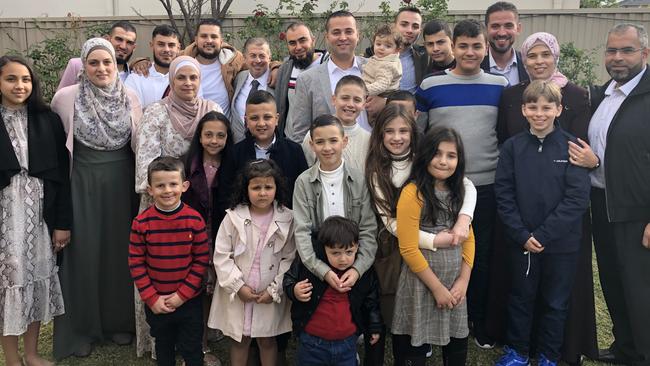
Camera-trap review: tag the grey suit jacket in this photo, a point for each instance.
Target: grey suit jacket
(313, 98)
(237, 126)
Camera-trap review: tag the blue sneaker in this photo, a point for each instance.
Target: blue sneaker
(512, 358)
(543, 361)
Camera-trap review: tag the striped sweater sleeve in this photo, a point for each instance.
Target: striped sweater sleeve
(137, 265)
(191, 285)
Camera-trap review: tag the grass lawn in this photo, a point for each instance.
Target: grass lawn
(109, 354)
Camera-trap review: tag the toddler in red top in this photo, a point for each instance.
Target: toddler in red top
(168, 256)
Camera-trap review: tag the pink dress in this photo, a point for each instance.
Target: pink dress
(262, 223)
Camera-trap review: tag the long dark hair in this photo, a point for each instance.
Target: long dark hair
(196, 149)
(260, 168)
(426, 183)
(379, 162)
(35, 102)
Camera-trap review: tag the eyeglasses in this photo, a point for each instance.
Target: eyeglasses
(624, 51)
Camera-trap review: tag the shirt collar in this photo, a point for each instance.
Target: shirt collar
(262, 148)
(513, 59)
(262, 79)
(332, 67)
(626, 88)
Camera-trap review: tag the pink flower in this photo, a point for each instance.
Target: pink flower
(259, 13)
(406, 1)
(282, 36)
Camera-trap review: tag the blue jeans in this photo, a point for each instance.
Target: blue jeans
(316, 351)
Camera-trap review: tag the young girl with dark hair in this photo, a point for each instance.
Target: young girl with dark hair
(253, 250)
(433, 283)
(35, 207)
(390, 157)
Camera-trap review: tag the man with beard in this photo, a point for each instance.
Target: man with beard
(220, 63)
(503, 26)
(620, 199)
(122, 36)
(302, 56)
(165, 46)
(315, 87)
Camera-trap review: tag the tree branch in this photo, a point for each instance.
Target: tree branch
(224, 10)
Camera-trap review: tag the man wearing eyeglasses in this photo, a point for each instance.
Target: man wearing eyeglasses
(619, 134)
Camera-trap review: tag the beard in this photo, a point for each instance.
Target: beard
(160, 63)
(209, 56)
(303, 63)
(494, 47)
(123, 61)
(622, 76)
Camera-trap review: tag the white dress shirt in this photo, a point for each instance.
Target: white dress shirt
(511, 72)
(602, 118)
(240, 99)
(149, 89)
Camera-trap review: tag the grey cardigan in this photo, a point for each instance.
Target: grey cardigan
(308, 216)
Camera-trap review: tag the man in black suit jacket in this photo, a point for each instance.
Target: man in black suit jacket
(503, 27)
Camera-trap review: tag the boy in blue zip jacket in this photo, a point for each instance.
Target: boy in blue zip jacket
(541, 198)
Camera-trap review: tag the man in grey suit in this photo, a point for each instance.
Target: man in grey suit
(257, 55)
(302, 57)
(315, 87)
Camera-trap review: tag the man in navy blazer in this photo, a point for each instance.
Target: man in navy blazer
(503, 27)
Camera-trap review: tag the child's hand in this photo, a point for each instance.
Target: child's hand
(374, 338)
(246, 294)
(174, 301)
(444, 299)
(302, 290)
(443, 239)
(533, 246)
(264, 298)
(159, 307)
(460, 231)
(349, 278)
(459, 290)
(333, 280)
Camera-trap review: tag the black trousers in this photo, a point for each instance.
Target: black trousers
(547, 277)
(454, 353)
(181, 330)
(624, 270)
(483, 224)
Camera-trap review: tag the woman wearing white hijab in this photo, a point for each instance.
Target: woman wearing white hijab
(166, 129)
(99, 116)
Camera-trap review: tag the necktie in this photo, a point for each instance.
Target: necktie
(254, 85)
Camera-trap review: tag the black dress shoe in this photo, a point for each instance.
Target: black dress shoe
(606, 355)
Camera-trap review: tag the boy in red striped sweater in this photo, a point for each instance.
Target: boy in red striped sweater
(168, 257)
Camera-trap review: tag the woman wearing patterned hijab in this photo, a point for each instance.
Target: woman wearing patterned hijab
(540, 54)
(166, 129)
(99, 116)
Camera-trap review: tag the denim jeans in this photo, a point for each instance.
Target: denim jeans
(315, 351)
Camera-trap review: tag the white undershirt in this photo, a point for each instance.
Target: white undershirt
(332, 182)
(212, 86)
(149, 89)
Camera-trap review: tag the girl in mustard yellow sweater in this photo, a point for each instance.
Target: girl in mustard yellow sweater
(430, 300)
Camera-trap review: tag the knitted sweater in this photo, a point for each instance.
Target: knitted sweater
(382, 74)
(468, 104)
(168, 253)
